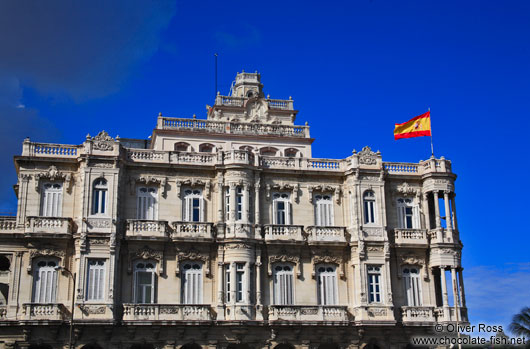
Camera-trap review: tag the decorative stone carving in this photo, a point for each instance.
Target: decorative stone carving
(147, 253)
(362, 250)
(102, 165)
(284, 258)
(283, 187)
(325, 256)
(103, 142)
(406, 190)
(336, 190)
(148, 180)
(92, 309)
(367, 156)
(192, 255)
(386, 250)
(375, 248)
(98, 241)
(376, 312)
(53, 174)
(99, 222)
(45, 252)
(196, 182)
(411, 259)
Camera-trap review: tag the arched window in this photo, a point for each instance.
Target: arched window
(146, 203)
(206, 148)
(412, 283)
(268, 151)
(99, 196)
(369, 207)
(323, 210)
(283, 284)
(291, 152)
(95, 281)
(191, 282)
(182, 146)
(52, 199)
(193, 208)
(327, 284)
(408, 217)
(281, 207)
(45, 281)
(144, 281)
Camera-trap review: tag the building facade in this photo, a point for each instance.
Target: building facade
(226, 233)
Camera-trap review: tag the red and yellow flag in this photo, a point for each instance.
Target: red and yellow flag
(415, 127)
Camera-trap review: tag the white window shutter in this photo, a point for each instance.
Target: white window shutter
(202, 213)
(275, 212)
(288, 218)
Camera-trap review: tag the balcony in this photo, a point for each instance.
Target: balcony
(94, 311)
(44, 311)
(417, 315)
(48, 225)
(450, 315)
(8, 224)
(166, 312)
(411, 237)
(274, 232)
(192, 230)
(3, 312)
(308, 313)
(146, 229)
(326, 235)
(443, 235)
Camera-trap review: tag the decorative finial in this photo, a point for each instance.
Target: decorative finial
(117, 137)
(160, 114)
(306, 123)
(87, 136)
(194, 116)
(354, 151)
(218, 93)
(290, 98)
(268, 96)
(242, 70)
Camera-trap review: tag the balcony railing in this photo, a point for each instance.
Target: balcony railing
(146, 228)
(443, 316)
(192, 230)
(8, 224)
(308, 313)
(44, 311)
(3, 312)
(48, 225)
(274, 232)
(50, 150)
(417, 314)
(410, 236)
(173, 312)
(325, 234)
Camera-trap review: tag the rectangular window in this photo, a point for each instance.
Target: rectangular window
(408, 216)
(327, 285)
(281, 206)
(45, 282)
(280, 212)
(227, 283)
(52, 199)
(369, 216)
(227, 204)
(240, 280)
(323, 210)
(95, 280)
(374, 283)
(239, 198)
(193, 206)
(412, 283)
(283, 285)
(146, 204)
(191, 278)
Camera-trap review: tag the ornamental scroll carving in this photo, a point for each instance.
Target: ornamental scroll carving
(406, 190)
(336, 190)
(45, 252)
(53, 174)
(147, 253)
(412, 259)
(326, 257)
(367, 156)
(295, 188)
(195, 182)
(192, 255)
(92, 309)
(285, 258)
(103, 142)
(148, 180)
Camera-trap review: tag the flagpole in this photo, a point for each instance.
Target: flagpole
(432, 148)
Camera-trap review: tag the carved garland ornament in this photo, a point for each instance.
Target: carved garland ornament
(103, 142)
(406, 190)
(324, 188)
(284, 187)
(45, 252)
(147, 253)
(195, 182)
(324, 257)
(412, 259)
(192, 255)
(53, 174)
(148, 180)
(284, 259)
(367, 156)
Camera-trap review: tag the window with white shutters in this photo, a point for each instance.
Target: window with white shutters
(408, 215)
(45, 281)
(281, 206)
(228, 283)
(327, 284)
(412, 283)
(323, 210)
(283, 284)
(99, 196)
(193, 206)
(369, 207)
(239, 202)
(240, 282)
(144, 282)
(227, 204)
(52, 199)
(191, 279)
(374, 283)
(146, 204)
(95, 280)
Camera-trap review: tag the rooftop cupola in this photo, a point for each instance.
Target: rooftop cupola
(247, 85)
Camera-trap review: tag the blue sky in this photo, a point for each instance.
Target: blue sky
(353, 69)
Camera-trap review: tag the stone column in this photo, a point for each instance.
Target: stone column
(221, 193)
(453, 207)
(246, 203)
(437, 209)
(456, 296)
(462, 292)
(233, 283)
(445, 296)
(220, 277)
(426, 213)
(448, 213)
(258, 280)
(233, 202)
(256, 203)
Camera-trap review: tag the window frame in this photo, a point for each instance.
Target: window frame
(285, 198)
(283, 284)
(324, 210)
(412, 285)
(53, 203)
(191, 294)
(403, 204)
(374, 285)
(100, 197)
(49, 283)
(327, 284)
(369, 208)
(100, 283)
(145, 215)
(188, 205)
(144, 269)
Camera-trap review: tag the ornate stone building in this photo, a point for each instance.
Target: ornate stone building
(226, 233)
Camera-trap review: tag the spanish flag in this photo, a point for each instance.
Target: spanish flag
(415, 127)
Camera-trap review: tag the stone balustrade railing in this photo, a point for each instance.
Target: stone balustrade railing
(308, 313)
(238, 157)
(401, 168)
(192, 230)
(8, 224)
(50, 150)
(410, 236)
(48, 225)
(442, 235)
(417, 314)
(326, 234)
(278, 232)
(146, 228)
(44, 311)
(170, 312)
(3, 312)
